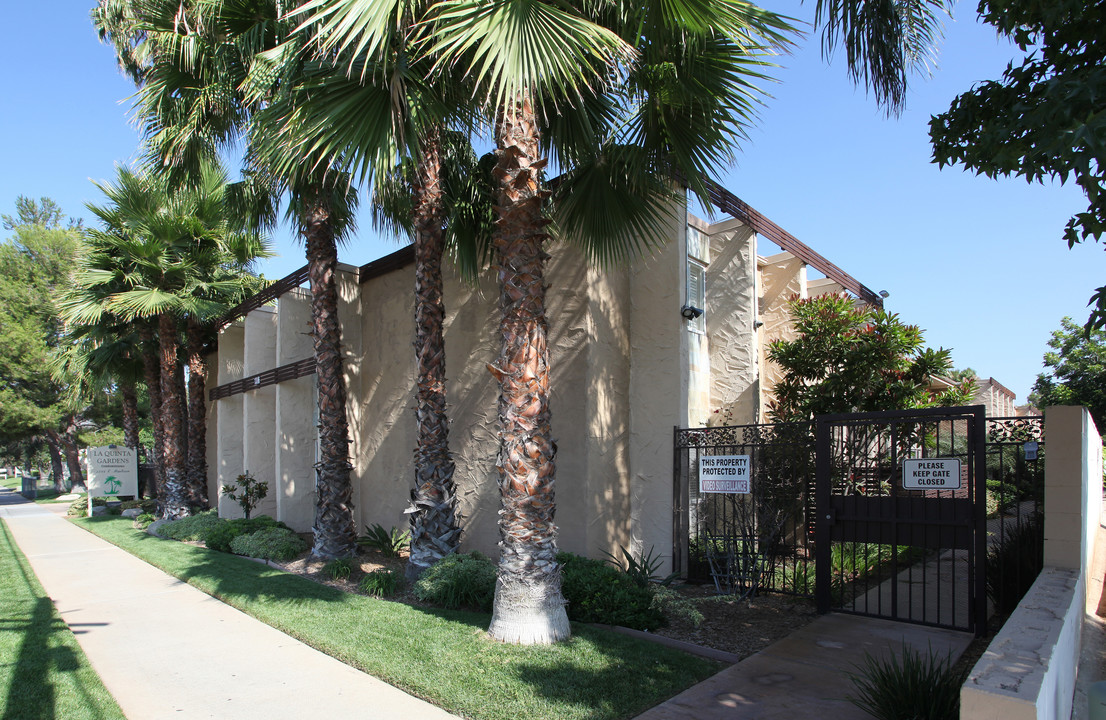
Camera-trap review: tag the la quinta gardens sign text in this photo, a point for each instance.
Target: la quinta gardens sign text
(724, 474)
(112, 472)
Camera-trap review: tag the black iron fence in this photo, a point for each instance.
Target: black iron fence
(744, 501)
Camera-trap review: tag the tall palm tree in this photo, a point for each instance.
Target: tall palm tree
(435, 194)
(166, 257)
(191, 63)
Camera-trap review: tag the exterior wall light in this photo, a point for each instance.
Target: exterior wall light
(690, 312)
(884, 294)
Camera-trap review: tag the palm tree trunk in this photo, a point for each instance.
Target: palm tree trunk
(151, 365)
(433, 511)
(173, 503)
(335, 534)
(73, 457)
(197, 416)
(182, 393)
(57, 473)
(130, 414)
(529, 607)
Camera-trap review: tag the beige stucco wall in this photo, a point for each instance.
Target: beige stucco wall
(229, 440)
(296, 434)
(731, 315)
(781, 277)
(258, 411)
(658, 389)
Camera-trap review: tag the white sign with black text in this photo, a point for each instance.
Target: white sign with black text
(724, 474)
(931, 474)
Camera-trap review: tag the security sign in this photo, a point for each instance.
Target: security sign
(931, 474)
(724, 474)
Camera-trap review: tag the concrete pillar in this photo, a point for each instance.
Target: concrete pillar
(658, 388)
(259, 408)
(731, 317)
(349, 317)
(297, 433)
(229, 443)
(1073, 486)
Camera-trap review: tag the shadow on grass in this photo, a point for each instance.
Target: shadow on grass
(598, 674)
(45, 673)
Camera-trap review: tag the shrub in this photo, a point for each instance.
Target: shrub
(338, 568)
(388, 542)
(459, 581)
(247, 491)
(275, 543)
(142, 521)
(1014, 562)
(80, 505)
(194, 527)
(598, 593)
(146, 506)
(675, 606)
(916, 688)
(219, 536)
(382, 583)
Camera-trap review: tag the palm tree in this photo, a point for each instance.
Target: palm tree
(166, 257)
(191, 65)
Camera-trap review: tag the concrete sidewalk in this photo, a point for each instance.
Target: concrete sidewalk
(167, 650)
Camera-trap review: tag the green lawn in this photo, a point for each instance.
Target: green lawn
(43, 672)
(442, 656)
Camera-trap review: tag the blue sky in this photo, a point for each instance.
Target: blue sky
(979, 264)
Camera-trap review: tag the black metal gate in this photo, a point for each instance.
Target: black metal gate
(750, 530)
(901, 516)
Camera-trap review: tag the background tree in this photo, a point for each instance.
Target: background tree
(35, 262)
(855, 358)
(1044, 118)
(1075, 371)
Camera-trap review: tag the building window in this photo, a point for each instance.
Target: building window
(697, 293)
(698, 245)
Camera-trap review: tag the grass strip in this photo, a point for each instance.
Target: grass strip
(43, 672)
(442, 656)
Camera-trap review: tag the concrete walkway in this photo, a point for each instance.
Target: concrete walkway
(805, 674)
(166, 650)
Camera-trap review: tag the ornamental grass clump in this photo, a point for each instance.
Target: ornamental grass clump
(910, 687)
(458, 581)
(382, 583)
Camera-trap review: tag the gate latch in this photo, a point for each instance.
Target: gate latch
(829, 516)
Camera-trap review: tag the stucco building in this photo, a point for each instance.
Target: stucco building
(635, 352)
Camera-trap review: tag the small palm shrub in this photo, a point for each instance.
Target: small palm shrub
(382, 583)
(915, 687)
(388, 542)
(194, 527)
(641, 569)
(220, 535)
(458, 581)
(338, 568)
(599, 593)
(275, 543)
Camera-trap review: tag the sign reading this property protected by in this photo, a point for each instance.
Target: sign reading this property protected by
(724, 474)
(112, 472)
(931, 474)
